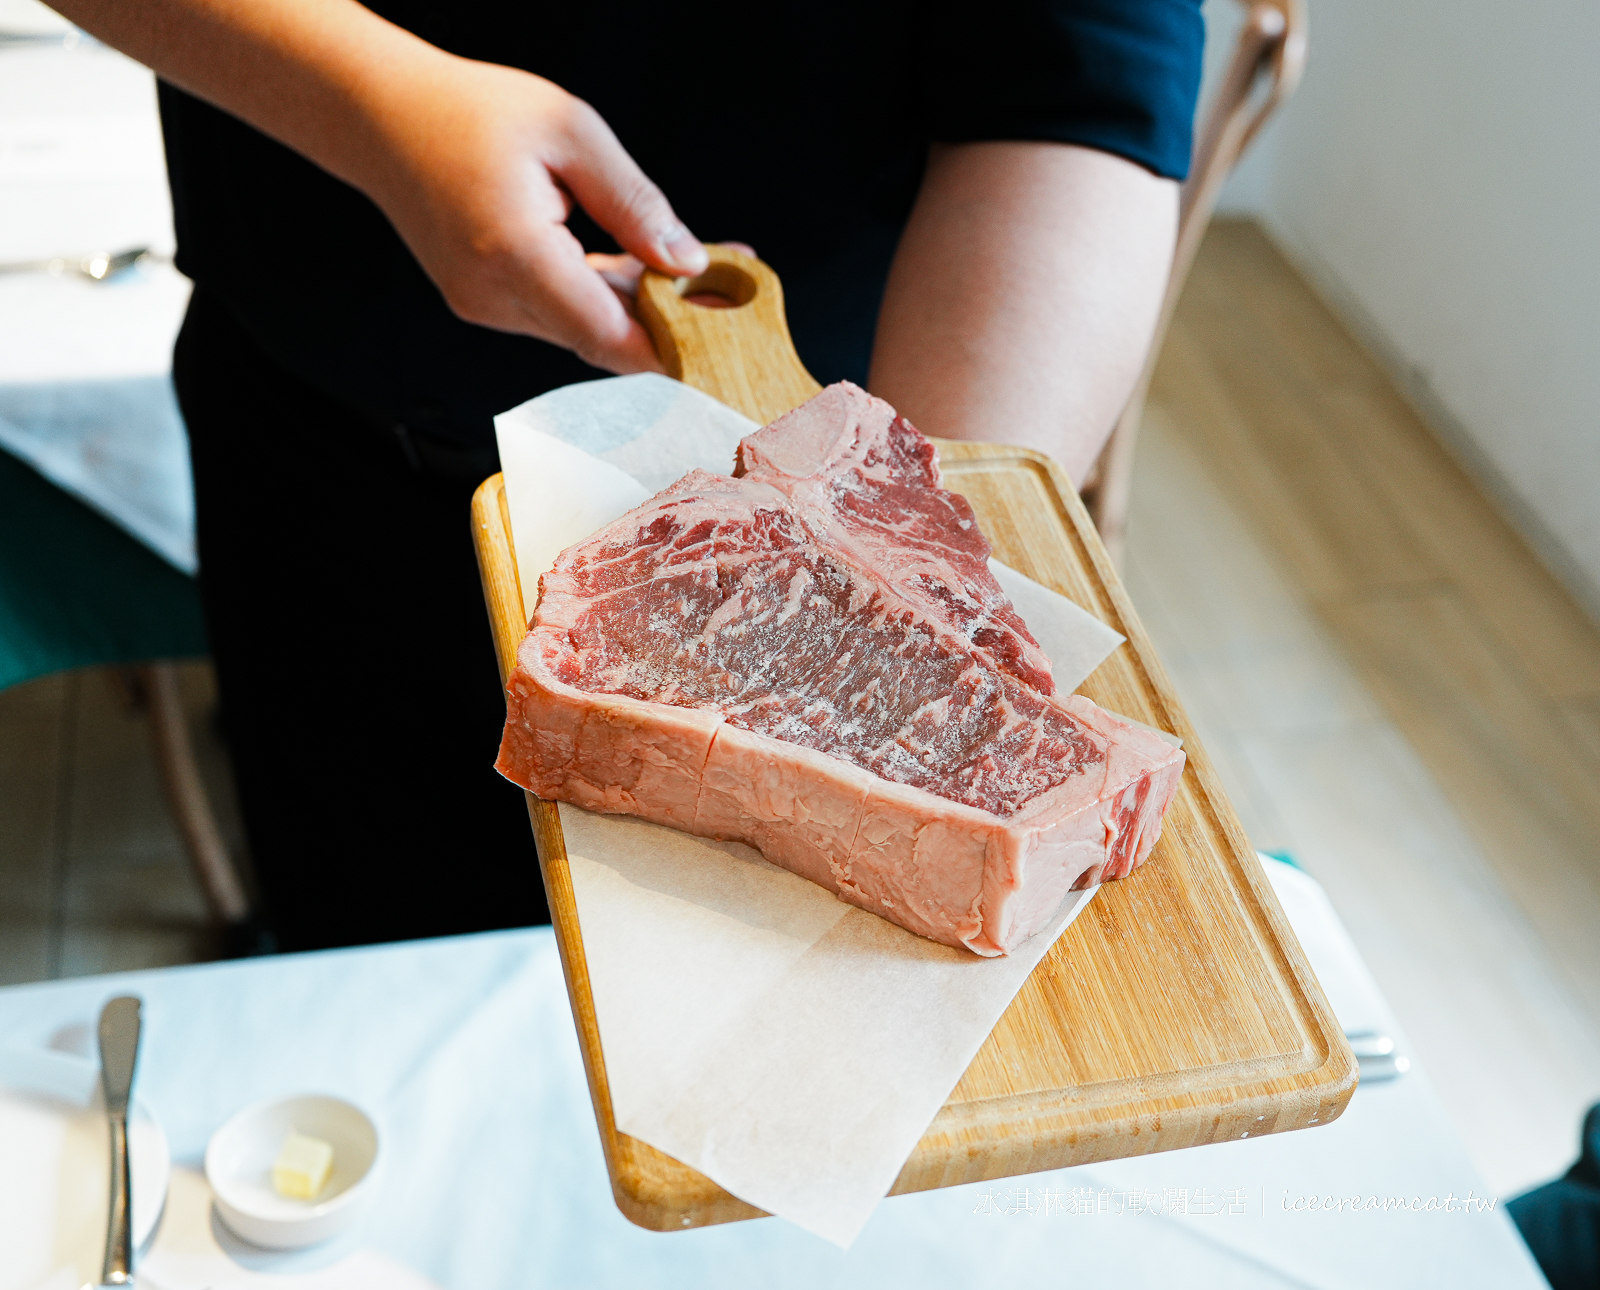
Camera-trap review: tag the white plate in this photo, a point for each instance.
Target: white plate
(55, 1168)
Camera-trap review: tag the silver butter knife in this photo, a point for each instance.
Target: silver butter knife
(119, 1050)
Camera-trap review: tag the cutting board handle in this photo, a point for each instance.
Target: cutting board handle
(741, 354)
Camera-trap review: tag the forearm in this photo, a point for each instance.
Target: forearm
(1024, 294)
(476, 165)
(312, 73)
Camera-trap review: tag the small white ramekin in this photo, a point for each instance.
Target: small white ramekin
(239, 1168)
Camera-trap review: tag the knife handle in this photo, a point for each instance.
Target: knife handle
(119, 1054)
(119, 1223)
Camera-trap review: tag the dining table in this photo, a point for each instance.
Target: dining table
(463, 1052)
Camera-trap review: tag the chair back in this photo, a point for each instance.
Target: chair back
(1267, 63)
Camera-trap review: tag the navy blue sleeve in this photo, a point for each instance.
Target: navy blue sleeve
(1118, 75)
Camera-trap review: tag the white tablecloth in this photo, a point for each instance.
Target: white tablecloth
(85, 389)
(464, 1051)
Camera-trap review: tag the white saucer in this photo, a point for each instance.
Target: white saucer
(55, 1177)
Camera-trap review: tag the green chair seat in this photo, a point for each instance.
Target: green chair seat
(77, 591)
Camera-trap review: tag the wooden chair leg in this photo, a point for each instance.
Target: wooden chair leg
(186, 795)
(1109, 496)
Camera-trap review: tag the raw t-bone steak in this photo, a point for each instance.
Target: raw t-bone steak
(814, 658)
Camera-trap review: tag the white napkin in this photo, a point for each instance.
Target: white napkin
(791, 1047)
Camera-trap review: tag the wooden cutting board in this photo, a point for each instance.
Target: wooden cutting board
(1178, 1009)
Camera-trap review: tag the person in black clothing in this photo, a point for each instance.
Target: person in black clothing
(403, 219)
(1560, 1221)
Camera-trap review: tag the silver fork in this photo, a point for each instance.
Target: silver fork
(98, 266)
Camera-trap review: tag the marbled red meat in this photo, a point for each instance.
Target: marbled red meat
(812, 656)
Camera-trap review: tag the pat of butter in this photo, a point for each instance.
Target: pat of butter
(302, 1167)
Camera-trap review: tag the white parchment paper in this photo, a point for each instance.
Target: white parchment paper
(791, 1047)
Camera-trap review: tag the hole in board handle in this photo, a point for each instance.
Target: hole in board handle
(722, 286)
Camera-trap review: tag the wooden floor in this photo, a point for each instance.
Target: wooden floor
(93, 877)
(1395, 691)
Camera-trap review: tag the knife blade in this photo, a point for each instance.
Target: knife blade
(119, 1053)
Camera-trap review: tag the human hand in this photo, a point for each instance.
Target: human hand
(622, 274)
(478, 168)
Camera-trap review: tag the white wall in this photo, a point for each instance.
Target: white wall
(1437, 177)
